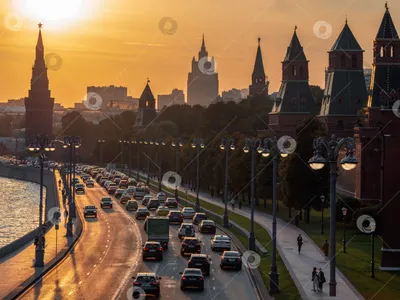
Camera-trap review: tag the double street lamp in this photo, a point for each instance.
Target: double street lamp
(148, 164)
(73, 142)
(40, 145)
(101, 142)
(137, 143)
(198, 144)
(322, 213)
(226, 144)
(159, 143)
(327, 151)
(177, 145)
(122, 142)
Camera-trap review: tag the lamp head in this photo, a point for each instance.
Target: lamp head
(322, 198)
(246, 149)
(349, 162)
(265, 152)
(317, 162)
(260, 149)
(222, 147)
(173, 144)
(344, 211)
(233, 147)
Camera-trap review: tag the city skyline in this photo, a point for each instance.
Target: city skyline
(103, 41)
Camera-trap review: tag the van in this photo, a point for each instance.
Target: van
(138, 193)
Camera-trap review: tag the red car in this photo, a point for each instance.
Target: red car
(111, 190)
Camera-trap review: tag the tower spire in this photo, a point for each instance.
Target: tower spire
(203, 52)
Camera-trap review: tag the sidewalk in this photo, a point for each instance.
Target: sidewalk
(299, 265)
(18, 267)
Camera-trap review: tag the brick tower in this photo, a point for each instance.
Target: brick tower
(294, 102)
(147, 107)
(259, 84)
(39, 104)
(345, 93)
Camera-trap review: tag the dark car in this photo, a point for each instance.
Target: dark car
(198, 217)
(190, 245)
(106, 202)
(90, 211)
(123, 184)
(142, 213)
(148, 282)
(153, 204)
(119, 193)
(207, 226)
(89, 183)
(171, 203)
(80, 188)
(175, 216)
(192, 278)
(146, 199)
(132, 205)
(231, 259)
(111, 190)
(200, 261)
(153, 250)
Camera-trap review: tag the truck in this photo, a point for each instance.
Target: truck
(157, 229)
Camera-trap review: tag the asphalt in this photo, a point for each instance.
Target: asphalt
(109, 254)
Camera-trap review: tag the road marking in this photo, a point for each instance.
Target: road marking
(94, 266)
(106, 246)
(88, 273)
(70, 293)
(80, 282)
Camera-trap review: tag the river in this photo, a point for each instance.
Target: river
(19, 213)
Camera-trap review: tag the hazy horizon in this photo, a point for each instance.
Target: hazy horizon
(119, 42)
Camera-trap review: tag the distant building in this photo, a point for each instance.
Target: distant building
(232, 95)
(176, 97)
(39, 104)
(147, 107)
(259, 84)
(202, 84)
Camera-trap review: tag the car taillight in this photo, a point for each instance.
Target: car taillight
(154, 283)
(184, 244)
(146, 249)
(183, 278)
(198, 251)
(137, 283)
(160, 248)
(201, 278)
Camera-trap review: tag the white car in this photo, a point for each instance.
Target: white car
(220, 242)
(188, 212)
(186, 230)
(161, 197)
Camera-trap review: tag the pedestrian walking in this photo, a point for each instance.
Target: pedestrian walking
(322, 280)
(296, 220)
(325, 249)
(299, 242)
(314, 279)
(65, 216)
(233, 204)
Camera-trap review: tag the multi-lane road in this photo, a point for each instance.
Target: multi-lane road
(109, 253)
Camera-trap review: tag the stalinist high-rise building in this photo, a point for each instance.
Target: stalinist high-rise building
(39, 104)
(202, 85)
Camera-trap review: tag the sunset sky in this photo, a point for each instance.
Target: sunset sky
(104, 42)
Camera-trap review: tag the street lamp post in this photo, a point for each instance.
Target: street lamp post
(271, 147)
(101, 142)
(177, 144)
(122, 142)
(148, 167)
(226, 144)
(198, 144)
(255, 145)
(137, 158)
(330, 149)
(322, 213)
(158, 144)
(40, 145)
(344, 211)
(74, 142)
(373, 228)
(130, 157)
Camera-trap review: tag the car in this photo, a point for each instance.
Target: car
(119, 192)
(175, 216)
(138, 193)
(85, 177)
(142, 213)
(125, 198)
(106, 202)
(153, 250)
(153, 204)
(89, 183)
(161, 197)
(230, 259)
(198, 217)
(186, 230)
(80, 188)
(207, 226)
(132, 205)
(111, 189)
(90, 211)
(75, 180)
(192, 278)
(148, 282)
(117, 180)
(162, 211)
(147, 189)
(107, 184)
(200, 261)
(123, 184)
(220, 242)
(188, 212)
(190, 245)
(146, 199)
(171, 203)
(130, 190)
